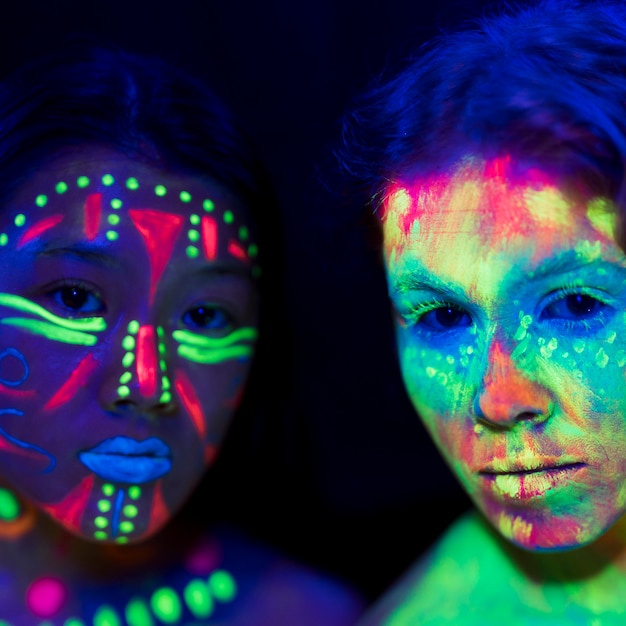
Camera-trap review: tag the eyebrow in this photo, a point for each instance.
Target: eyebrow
(423, 280)
(91, 253)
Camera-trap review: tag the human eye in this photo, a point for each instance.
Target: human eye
(208, 317)
(441, 317)
(577, 310)
(76, 298)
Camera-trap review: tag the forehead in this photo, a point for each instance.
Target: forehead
(95, 194)
(495, 200)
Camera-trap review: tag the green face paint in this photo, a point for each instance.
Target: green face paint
(508, 295)
(202, 349)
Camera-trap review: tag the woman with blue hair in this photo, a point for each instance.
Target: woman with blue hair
(494, 164)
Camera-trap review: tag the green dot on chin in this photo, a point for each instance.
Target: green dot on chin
(208, 205)
(101, 522)
(108, 489)
(100, 535)
(134, 492)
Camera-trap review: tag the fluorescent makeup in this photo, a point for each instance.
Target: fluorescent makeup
(509, 291)
(114, 277)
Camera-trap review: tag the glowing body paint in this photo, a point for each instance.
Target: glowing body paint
(510, 331)
(98, 351)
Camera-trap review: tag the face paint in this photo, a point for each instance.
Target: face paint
(509, 294)
(100, 299)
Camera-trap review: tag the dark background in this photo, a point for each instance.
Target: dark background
(357, 488)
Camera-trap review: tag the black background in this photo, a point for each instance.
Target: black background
(362, 490)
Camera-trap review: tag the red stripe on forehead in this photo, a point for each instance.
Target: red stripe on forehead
(92, 211)
(236, 250)
(209, 237)
(160, 231)
(39, 228)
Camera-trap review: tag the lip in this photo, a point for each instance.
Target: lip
(525, 482)
(126, 460)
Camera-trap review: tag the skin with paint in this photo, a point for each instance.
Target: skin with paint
(129, 311)
(508, 288)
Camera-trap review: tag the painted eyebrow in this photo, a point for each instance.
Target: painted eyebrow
(422, 280)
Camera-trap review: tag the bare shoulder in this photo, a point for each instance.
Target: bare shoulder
(446, 585)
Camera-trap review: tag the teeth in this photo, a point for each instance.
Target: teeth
(524, 485)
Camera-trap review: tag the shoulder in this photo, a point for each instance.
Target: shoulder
(274, 589)
(447, 585)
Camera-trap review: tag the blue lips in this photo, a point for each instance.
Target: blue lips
(126, 460)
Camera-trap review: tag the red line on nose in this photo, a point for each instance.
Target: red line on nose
(147, 361)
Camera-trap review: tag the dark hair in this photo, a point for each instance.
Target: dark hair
(544, 81)
(150, 108)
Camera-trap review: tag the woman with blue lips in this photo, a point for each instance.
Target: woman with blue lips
(135, 221)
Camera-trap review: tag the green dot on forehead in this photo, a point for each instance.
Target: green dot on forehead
(41, 200)
(243, 233)
(61, 187)
(228, 217)
(116, 203)
(4, 239)
(132, 183)
(194, 219)
(208, 205)
(185, 196)
(20, 219)
(82, 181)
(160, 190)
(108, 180)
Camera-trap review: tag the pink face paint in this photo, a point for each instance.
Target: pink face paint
(147, 361)
(46, 596)
(192, 404)
(39, 228)
(159, 231)
(159, 512)
(15, 393)
(70, 510)
(78, 378)
(236, 250)
(209, 237)
(92, 210)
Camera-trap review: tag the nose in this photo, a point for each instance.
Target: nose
(137, 380)
(508, 396)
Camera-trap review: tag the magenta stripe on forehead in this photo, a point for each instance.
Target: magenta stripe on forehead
(159, 230)
(93, 210)
(39, 228)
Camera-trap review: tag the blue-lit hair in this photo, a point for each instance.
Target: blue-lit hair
(543, 81)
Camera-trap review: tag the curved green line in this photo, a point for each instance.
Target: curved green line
(51, 331)
(194, 339)
(92, 324)
(213, 356)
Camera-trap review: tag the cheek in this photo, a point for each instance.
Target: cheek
(210, 395)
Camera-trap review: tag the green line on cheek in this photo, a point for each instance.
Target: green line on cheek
(83, 324)
(194, 339)
(51, 331)
(200, 355)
